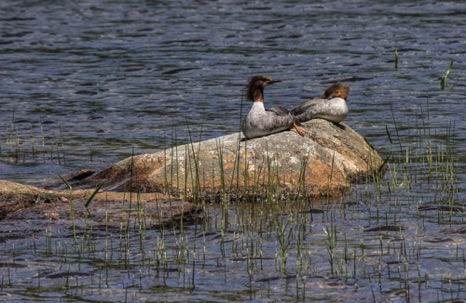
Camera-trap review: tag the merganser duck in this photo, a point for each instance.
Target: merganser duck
(330, 106)
(259, 121)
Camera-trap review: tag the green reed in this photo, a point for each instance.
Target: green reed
(443, 79)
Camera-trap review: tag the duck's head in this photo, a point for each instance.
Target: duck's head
(254, 91)
(337, 90)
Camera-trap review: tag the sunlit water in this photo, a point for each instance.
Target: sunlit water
(86, 84)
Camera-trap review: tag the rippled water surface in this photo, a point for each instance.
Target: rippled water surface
(87, 83)
(93, 82)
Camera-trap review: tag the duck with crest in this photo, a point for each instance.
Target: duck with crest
(260, 122)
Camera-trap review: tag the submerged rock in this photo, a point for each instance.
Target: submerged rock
(15, 196)
(323, 163)
(33, 205)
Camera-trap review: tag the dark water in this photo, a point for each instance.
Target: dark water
(87, 83)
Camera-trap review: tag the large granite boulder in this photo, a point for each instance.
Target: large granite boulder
(323, 163)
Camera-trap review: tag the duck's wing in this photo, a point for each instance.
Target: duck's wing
(279, 111)
(304, 107)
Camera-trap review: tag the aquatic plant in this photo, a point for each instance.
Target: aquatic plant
(443, 80)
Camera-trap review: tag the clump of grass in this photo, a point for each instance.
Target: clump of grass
(331, 244)
(284, 236)
(23, 147)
